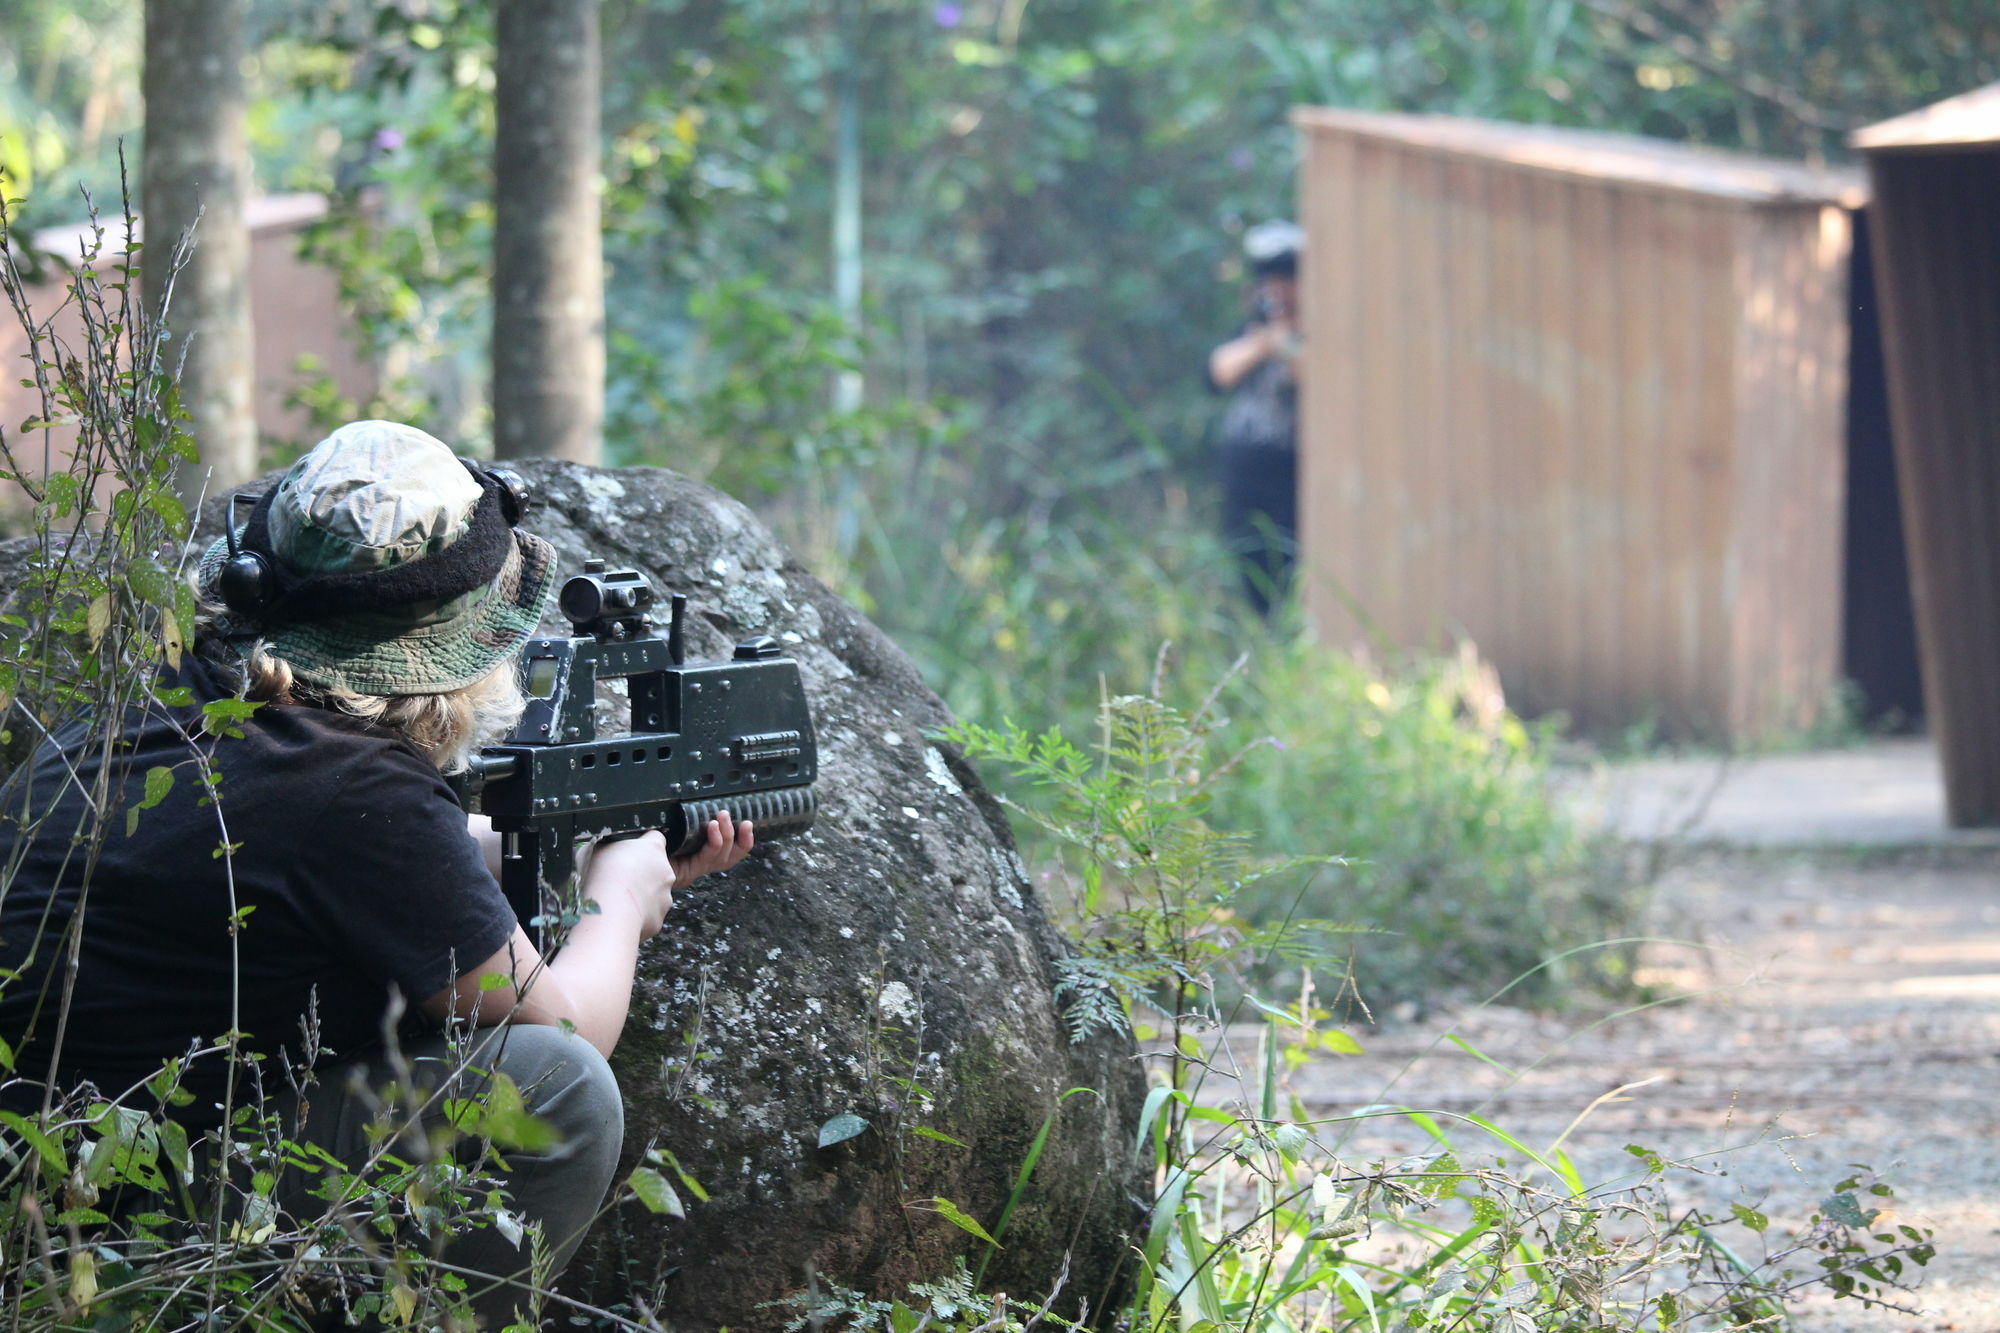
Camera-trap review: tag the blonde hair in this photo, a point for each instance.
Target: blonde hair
(445, 728)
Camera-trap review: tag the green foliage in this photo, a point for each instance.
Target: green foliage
(1266, 1218)
(1411, 768)
(1157, 886)
(1439, 799)
(111, 1215)
(1052, 190)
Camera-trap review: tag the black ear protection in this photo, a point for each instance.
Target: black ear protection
(513, 488)
(251, 585)
(248, 583)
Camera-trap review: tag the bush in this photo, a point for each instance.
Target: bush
(1437, 798)
(1264, 1218)
(1412, 768)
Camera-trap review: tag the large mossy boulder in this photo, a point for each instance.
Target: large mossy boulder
(894, 964)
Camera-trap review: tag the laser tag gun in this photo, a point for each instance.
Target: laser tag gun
(706, 737)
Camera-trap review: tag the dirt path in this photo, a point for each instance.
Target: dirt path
(1847, 1010)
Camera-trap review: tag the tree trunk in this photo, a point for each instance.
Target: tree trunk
(197, 166)
(548, 264)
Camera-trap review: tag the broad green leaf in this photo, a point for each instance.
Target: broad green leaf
(97, 620)
(51, 1151)
(80, 1217)
(1149, 1111)
(1845, 1210)
(953, 1214)
(1750, 1217)
(688, 1182)
(171, 511)
(61, 493)
(150, 582)
(841, 1128)
(503, 1116)
(652, 1189)
(174, 1139)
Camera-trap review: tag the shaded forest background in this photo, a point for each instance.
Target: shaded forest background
(1050, 198)
(1004, 458)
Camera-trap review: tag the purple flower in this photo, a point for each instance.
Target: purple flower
(1241, 159)
(946, 14)
(386, 140)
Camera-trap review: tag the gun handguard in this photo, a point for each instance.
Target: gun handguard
(706, 736)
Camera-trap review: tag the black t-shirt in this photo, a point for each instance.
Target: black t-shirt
(353, 876)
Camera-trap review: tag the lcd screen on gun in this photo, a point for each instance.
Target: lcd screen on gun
(542, 673)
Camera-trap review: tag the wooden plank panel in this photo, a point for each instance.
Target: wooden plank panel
(1408, 354)
(1715, 462)
(1623, 161)
(1330, 467)
(1935, 215)
(1558, 289)
(1465, 423)
(1487, 621)
(1792, 493)
(1380, 576)
(1822, 560)
(1682, 461)
(1803, 501)
(1758, 406)
(1461, 450)
(1523, 409)
(1600, 506)
(1511, 297)
(1428, 355)
(1641, 404)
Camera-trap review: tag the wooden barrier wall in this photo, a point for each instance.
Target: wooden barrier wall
(294, 311)
(1579, 399)
(1936, 210)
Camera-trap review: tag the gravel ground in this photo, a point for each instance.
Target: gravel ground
(1838, 1010)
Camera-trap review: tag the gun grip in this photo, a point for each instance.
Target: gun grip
(535, 874)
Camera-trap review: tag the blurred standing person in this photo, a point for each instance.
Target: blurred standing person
(1258, 435)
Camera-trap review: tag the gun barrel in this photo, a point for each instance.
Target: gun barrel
(469, 783)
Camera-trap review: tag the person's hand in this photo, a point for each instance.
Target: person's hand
(638, 868)
(727, 843)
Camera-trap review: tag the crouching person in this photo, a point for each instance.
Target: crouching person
(372, 607)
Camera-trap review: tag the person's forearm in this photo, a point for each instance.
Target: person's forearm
(1229, 363)
(592, 973)
(481, 829)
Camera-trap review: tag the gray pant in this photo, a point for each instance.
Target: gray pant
(563, 1080)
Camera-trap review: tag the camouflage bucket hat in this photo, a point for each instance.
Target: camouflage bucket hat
(372, 498)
